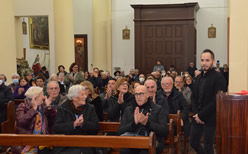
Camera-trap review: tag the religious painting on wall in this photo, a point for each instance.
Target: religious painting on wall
(39, 34)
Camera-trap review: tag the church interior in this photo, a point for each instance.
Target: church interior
(121, 35)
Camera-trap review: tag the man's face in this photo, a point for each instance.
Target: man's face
(111, 84)
(179, 82)
(40, 83)
(141, 95)
(167, 84)
(151, 87)
(206, 62)
(158, 63)
(191, 65)
(104, 76)
(53, 90)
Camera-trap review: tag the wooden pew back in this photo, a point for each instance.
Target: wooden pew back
(9, 125)
(81, 141)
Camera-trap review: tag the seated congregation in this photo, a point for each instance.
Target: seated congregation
(86, 103)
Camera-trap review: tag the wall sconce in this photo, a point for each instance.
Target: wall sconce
(24, 27)
(126, 34)
(212, 31)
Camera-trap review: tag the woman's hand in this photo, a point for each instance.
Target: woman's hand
(79, 121)
(20, 90)
(121, 98)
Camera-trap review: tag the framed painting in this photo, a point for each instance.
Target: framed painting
(38, 31)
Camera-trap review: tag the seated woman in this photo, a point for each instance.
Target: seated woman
(32, 117)
(93, 98)
(76, 117)
(120, 100)
(21, 89)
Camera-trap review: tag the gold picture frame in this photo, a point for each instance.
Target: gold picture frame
(38, 31)
(126, 34)
(212, 31)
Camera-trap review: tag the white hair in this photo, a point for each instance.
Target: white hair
(33, 92)
(15, 74)
(74, 91)
(167, 77)
(48, 84)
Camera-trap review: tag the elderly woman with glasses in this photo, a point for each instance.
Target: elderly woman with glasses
(120, 100)
(33, 117)
(76, 117)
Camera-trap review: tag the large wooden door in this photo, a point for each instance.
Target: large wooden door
(81, 51)
(162, 35)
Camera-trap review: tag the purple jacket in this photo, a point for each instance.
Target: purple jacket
(22, 96)
(25, 120)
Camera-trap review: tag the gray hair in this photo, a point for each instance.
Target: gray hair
(74, 91)
(105, 73)
(48, 84)
(15, 74)
(33, 92)
(167, 77)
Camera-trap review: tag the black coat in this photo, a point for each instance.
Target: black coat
(214, 82)
(157, 120)
(177, 102)
(65, 120)
(97, 102)
(5, 96)
(116, 110)
(161, 100)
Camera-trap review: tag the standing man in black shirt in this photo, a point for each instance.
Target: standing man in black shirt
(207, 85)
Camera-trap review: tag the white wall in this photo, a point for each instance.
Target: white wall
(38, 8)
(210, 12)
(82, 13)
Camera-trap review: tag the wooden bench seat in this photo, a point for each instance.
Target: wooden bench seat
(81, 141)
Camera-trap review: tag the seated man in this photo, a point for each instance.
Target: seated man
(151, 86)
(54, 96)
(108, 92)
(143, 118)
(176, 102)
(186, 91)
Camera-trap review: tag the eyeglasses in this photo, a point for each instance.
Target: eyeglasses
(139, 94)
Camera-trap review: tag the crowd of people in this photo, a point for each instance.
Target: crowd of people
(74, 102)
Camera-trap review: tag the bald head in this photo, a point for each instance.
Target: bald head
(141, 95)
(151, 86)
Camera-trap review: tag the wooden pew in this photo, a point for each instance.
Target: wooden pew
(176, 119)
(81, 141)
(18, 101)
(110, 127)
(9, 125)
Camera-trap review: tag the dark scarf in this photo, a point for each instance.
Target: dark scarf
(78, 110)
